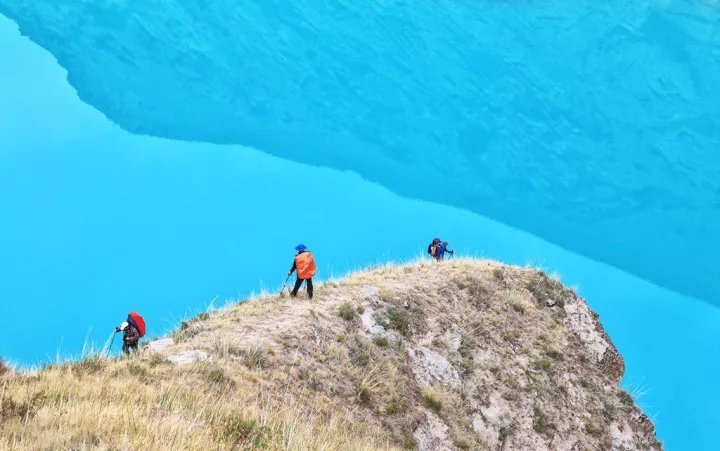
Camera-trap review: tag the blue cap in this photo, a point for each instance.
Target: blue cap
(300, 247)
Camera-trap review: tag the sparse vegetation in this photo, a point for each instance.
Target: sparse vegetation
(544, 288)
(347, 312)
(626, 398)
(511, 335)
(360, 352)
(552, 353)
(518, 305)
(292, 374)
(409, 442)
(506, 431)
(89, 365)
(138, 371)
(225, 348)
(544, 365)
(542, 423)
(215, 374)
(513, 382)
(398, 320)
(461, 440)
(246, 433)
(156, 359)
(432, 400)
(21, 409)
(396, 406)
(593, 430)
(254, 356)
(609, 410)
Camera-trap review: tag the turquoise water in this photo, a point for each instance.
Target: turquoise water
(96, 221)
(592, 124)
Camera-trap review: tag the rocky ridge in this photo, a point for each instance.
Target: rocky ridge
(462, 354)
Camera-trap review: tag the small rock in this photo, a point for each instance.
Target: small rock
(186, 357)
(455, 342)
(433, 434)
(370, 290)
(369, 323)
(160, 345)
(430, 366)
(550, 302)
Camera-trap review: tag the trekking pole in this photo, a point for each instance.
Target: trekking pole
(112, 340)
(285, 284)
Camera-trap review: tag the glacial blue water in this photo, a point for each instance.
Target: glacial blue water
(592, 124)
(95, 221)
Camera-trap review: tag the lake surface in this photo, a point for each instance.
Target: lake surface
(95, 221)
(593, 125)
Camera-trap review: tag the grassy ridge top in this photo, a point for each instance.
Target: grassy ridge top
(463, 354)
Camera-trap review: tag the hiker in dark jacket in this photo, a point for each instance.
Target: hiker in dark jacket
(437, 249)
(304, 263)
(441, 250)
(131, 336)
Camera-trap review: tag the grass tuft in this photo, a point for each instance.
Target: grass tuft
(518, 306)
(594, 430)
(552, 353)
(542, 424)
(245, 433)
(255, 356)
(544, 365)
(347, 312)
(21, 409)
(398, 320)
(432, 400)
(89, 365)
(217, 375)
(409, 442)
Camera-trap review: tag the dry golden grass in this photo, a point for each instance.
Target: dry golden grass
(143, 403)
(297, 374)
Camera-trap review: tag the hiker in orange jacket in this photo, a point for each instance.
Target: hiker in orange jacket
(305, 266)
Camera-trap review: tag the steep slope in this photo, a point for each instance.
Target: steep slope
(591, 124)
(463, 354)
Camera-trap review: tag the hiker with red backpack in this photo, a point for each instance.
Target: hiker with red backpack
(133, 329)
(304, 263)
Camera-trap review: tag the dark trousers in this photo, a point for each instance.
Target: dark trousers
(298, 283)
(127, 347)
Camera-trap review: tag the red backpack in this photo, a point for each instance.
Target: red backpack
(137, 321)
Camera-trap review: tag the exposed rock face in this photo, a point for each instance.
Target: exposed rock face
(521, 361)
(585, 324)
(462, 354)
(160, 345)
(186, 357)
